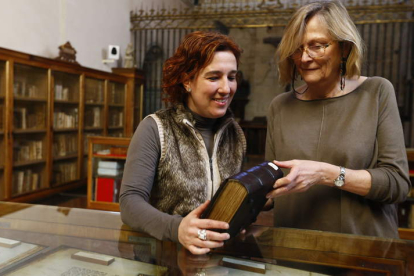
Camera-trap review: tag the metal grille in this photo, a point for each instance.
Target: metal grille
(390, 48)
(153, 47)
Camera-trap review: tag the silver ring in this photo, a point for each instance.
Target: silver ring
(202, 234)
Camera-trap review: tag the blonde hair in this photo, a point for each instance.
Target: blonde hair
(340, 26)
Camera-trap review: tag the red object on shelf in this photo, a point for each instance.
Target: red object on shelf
(105, 188)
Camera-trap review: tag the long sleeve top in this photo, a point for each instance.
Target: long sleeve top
(359, 130)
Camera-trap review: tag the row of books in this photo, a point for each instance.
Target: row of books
(28, 150)
(62, 93)
(116, 96)
(68, 119)
(65, 144)
(23, 89)
(108, 180)
(65, 172)
(29, 118)
(93, 117)
(26, 181)
(116, 118)
(94, 92)
(110, 168)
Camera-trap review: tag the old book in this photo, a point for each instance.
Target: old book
(93, 258)
(104, 189)
(246, 265)
(242, 196)
(110, 172)
(8, 243)
(110, 164)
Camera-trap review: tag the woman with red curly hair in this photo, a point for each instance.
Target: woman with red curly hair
(179, 155)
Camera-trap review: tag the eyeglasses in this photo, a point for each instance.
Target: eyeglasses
(314, 51)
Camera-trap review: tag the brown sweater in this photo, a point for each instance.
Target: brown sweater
(359, 130)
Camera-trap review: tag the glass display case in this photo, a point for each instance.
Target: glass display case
(49, 240)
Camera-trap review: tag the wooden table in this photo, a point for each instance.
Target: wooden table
(56, 231)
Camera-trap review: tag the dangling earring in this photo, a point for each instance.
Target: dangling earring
(342, 72)
(342, 66)
(293, 82)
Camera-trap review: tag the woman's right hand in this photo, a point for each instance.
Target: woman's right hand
(191, 224)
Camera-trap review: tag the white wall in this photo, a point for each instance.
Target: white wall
(39, 27)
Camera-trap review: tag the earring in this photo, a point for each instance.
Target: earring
(342, 66)
(293, 82)
(342, 72)
(189, 90)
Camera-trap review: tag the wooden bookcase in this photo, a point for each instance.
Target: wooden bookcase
(48, 109)
(114, 150)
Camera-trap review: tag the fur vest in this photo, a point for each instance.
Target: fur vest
(185, 177)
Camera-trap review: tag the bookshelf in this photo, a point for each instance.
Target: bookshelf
(106, 157)
(48, 109)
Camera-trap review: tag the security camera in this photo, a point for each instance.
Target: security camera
(113, 52)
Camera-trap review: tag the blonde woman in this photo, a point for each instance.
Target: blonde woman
(339, 135)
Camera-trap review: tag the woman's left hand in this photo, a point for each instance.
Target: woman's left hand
(303, 174)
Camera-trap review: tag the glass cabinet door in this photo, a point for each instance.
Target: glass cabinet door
(116, 109)
(30, 92)
(93, 124)
(94, 106)
(2, 127)
(65, 128)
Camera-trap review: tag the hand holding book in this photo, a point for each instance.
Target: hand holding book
(241, 197)
(192, 223)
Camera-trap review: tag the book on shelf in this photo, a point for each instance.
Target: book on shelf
(241, 197)
(110, 172)
(107, 189)
(110, 164)
(25, 181)
(110, 168)
(20, 118)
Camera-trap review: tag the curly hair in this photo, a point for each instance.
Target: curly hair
(195, 52)
(340, 26)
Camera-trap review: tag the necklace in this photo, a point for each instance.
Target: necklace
(300, 93)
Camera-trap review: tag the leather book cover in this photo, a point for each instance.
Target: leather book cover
(242, 196)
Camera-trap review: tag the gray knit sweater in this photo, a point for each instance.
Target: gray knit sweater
(359, 130)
